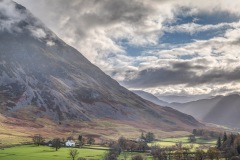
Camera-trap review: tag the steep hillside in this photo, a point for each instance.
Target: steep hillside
(222, 110)
(41, 76)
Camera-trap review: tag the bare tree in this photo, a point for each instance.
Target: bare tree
(90, 140)
(56, 143)
(37, 139)
(73, 153)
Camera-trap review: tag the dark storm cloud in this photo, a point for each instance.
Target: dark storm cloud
(186, 66)
(182, 73)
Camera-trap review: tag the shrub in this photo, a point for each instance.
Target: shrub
(137, 157)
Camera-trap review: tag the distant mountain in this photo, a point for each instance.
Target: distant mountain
(222, 110)
(150, 97)
(42, 76)
(180, 99)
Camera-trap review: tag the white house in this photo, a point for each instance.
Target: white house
(70, 143)
(139, 140)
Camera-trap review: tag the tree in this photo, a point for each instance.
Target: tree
(213, 153)
(157, 152)
(219, 143)
(131, 146)
(80, 137)
(37, 139)
(232, 138)
(112, 154)
(70, 138)
(122, 142)
(90, 140)
(142, 136)
(235, 158)
(150, 137)
(56, 143)
(82, 142)
(178, 155)
(194, 132)
(200, 155)
(224, 137)
(230, 152)
(73, 153)
(142, 146)
(137, 157)
(179, 145)
(238, 148)
(192, 138)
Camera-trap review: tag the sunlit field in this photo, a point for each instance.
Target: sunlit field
(200, 143)
(93, 152)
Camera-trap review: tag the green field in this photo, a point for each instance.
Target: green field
(94, 152)
(129, 156)
(30, 152)
(200, 142)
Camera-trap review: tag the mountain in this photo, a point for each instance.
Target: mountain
(41, 77)
(180, 99)
(150, 97)
(222, 110)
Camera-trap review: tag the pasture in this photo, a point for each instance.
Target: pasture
(31, 152)
(200, 143)
(94, 152)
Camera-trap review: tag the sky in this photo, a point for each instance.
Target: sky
(165, 47)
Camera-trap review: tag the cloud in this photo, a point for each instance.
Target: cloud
(183, 73)
(96, 27)
(16, 19)
(194, 28)
(38, 32)
(213, 68)
(10, 16)
(104, 31)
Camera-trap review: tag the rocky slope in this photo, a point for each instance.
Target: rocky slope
(41, 76)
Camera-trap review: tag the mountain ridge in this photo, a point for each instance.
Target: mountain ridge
(221, 110)
(42, 76)
(150, 97)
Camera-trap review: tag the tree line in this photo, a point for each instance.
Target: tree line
(57, 143)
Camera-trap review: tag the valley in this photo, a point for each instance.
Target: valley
(93, 152)
(119, 80)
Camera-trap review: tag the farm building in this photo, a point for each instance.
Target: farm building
(70, 143)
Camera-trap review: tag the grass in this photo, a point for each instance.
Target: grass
(200, 142)
(206, 141)
(94, 152)
(29, 152)
(15, 131)
(179, 139)
(129, 156)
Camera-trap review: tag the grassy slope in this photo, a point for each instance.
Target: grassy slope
(14, 131)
